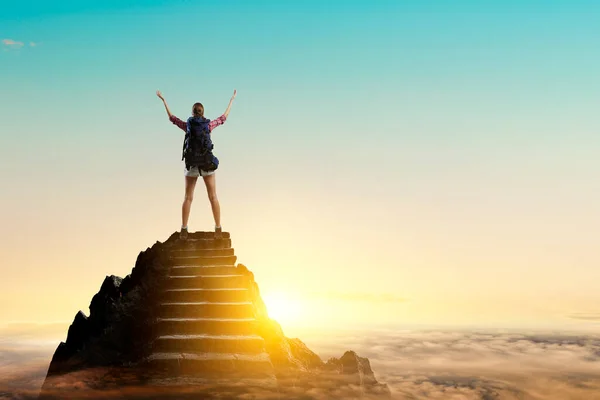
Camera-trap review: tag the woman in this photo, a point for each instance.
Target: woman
(193, 171)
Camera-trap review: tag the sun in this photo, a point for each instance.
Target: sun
(284, 307)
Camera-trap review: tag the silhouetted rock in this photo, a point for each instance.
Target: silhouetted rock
(181, 319)
(79, 331)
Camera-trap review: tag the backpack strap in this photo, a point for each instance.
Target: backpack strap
(186, 139)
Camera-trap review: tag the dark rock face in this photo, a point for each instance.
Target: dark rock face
(79, 331)
(117, 338)
(116, 332)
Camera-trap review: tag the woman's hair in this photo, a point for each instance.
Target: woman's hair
(198, 110)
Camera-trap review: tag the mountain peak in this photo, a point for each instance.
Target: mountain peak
(188, 316)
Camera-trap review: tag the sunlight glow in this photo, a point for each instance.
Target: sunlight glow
(285, 308)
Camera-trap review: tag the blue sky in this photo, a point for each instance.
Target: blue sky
(462, 136)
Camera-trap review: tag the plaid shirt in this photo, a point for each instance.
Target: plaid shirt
(212, 125)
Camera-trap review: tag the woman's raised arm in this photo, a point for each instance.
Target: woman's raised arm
(160, 96)
(230, 101)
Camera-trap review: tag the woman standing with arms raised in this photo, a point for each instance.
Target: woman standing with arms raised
(199, 160)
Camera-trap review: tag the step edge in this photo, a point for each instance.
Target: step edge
(204, 289)
(261, 357)
(203, 276)
(185, 257)
(200, 319)
(209, 336)
(205, 266)
(196, 303)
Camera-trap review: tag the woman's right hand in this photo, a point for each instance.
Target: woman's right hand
(160, 96)
(234, 93)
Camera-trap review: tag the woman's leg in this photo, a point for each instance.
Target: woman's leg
(211, 189)
(190, 184)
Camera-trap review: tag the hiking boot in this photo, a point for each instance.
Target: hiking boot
(218, 233)
(183, 235)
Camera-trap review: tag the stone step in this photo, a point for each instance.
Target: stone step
(206, 310)
(208, 364)
(200, 386)
(207, 282)
(216, 326)
(202, 252)
(206, 235)
(239, 344)
(217, 295)
(187, 270)
(204, 260)
(195, 244)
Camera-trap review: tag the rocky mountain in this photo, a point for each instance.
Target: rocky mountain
(189, 321)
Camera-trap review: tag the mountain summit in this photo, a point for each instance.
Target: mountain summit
(189, 321)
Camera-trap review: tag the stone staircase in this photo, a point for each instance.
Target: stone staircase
(207, 327)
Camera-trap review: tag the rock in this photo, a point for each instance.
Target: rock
(357, 371)
(78, 332)
(111, 347)
(121, 313)
(309, 359)
(358, 367)
(103, 304)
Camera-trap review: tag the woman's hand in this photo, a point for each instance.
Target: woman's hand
(234, 93)
(160, 96)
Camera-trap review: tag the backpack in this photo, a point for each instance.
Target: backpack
(197, 145)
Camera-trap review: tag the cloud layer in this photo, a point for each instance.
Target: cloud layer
(480, 365)
(432, 364)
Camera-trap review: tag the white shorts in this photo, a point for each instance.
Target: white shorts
(194, 172)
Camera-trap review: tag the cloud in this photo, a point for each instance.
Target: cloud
(423, 364)
(12, 44)
(23, 367)
(361, 296)
(34, 330)
(26, 349)
(439, 364)
(296, 388)
(585, 316)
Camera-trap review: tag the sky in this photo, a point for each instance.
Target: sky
(384, 163)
